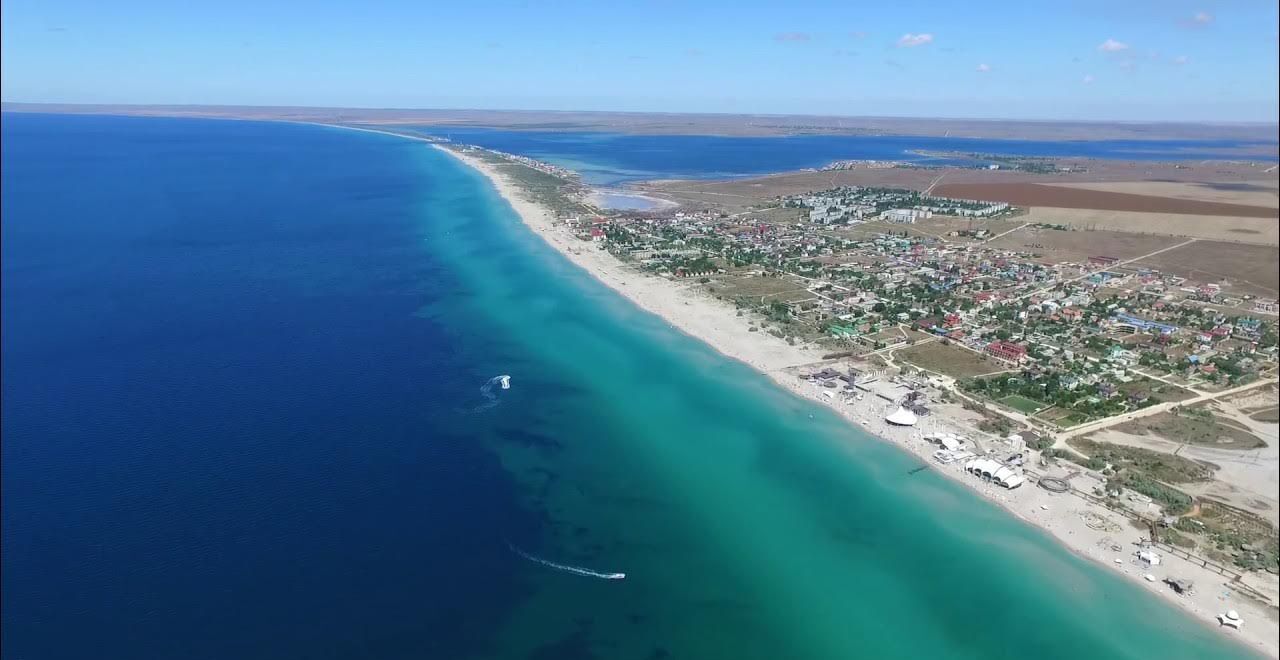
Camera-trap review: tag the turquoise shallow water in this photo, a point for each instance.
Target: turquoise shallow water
(751, 524)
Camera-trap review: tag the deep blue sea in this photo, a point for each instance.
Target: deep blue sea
(248, 412)
(612, 158)
(220, 401)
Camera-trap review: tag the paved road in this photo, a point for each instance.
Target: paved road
(1006, 233)
(929, 190)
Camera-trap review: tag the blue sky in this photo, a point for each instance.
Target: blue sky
(1119, 59)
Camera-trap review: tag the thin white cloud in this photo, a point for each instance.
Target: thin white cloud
(1113, 46)
(1088, 79)
(983, 68)
(1199, 20)
(858, 34)
(794, 37)
(1181, 59)
(910, 40)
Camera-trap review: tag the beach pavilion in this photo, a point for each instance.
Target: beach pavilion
(901, 417)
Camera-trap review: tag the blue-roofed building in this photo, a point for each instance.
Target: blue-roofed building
(1146, 324)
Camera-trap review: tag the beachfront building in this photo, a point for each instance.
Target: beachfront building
(1002, 475)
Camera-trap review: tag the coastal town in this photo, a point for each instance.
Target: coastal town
(957, 328)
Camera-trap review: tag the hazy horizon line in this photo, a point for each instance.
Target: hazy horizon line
(5, 104)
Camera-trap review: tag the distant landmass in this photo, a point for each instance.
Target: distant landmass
(698, 124)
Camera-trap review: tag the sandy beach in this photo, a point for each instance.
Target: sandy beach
(1089, 530)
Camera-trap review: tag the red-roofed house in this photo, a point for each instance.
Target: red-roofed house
(1007, 350)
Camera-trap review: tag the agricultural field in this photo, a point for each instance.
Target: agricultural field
(1041, 195)
(1249, 194)
(1255, 230)
(1250, 268)
(948, 360)
(1062, 246)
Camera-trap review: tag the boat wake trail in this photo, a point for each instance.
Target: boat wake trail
(491, 398)
(576, 570)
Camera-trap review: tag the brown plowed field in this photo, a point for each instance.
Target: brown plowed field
(1036, 194)
(1251, 268)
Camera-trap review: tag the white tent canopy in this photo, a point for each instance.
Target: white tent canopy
(1014, 481)
(1005, 475)
(901, 417)
(1149, 557)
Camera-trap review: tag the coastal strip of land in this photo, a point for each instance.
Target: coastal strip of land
(1082, 524)
(1085, 527)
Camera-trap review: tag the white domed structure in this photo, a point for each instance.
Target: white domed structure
(901, 417)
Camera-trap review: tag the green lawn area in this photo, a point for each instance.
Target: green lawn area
(1022, 404)
(1074, 419)
(1062, 417)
